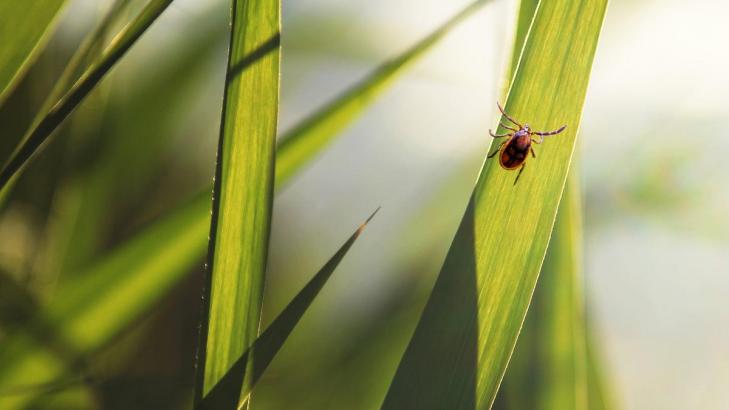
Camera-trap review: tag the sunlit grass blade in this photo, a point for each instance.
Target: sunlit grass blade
(548, 369)
(306, 139)
(233, 387)
(28, 24)
(465, 337)
(243, 192)
(87, 313)
(40, 132)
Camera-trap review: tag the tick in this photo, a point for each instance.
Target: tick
(514, 151)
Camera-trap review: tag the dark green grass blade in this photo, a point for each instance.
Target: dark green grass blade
(243, 192)
(465, 337)
(24, 28)
(305, 140)
(40, 132)
(227, 393)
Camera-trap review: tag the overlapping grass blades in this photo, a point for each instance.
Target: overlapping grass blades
(28, 25)
(465, 337)
(233, 386)
(41, 130)
(549, 367)
(243, 192)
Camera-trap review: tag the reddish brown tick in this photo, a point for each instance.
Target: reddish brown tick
(515, 150)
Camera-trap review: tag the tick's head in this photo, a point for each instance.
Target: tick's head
(526, 128)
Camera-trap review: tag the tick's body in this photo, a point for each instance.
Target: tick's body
(514, 151)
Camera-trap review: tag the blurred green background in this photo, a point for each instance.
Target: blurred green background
(655, 191)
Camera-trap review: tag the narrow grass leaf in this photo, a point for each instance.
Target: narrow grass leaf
(243, 192)
(548, 369)
(305, 140)
(227, 393)
(40, 132)
(465, 337)
(28, 24)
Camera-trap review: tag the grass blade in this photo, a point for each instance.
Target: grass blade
(459, 351)
(548, 370)
(305, 140)
(227, 393)
(40, 132)
(28, 24)
(243, 192)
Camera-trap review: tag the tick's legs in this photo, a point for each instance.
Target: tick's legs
(551, 132)
(520, 171)
(533, 154)
(507, 115)
(507, 127)
(497, 150)
(499, 135)
(541, 140)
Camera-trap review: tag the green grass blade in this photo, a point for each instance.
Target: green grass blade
(24, 29)
(305, 140)
(548, 370)
(465, 337)
(243, 192)
(40, 132)
(227, 393)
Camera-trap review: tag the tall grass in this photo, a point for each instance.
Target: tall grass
(464, 338)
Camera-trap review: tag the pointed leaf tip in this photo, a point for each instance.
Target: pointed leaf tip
(367, 221)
